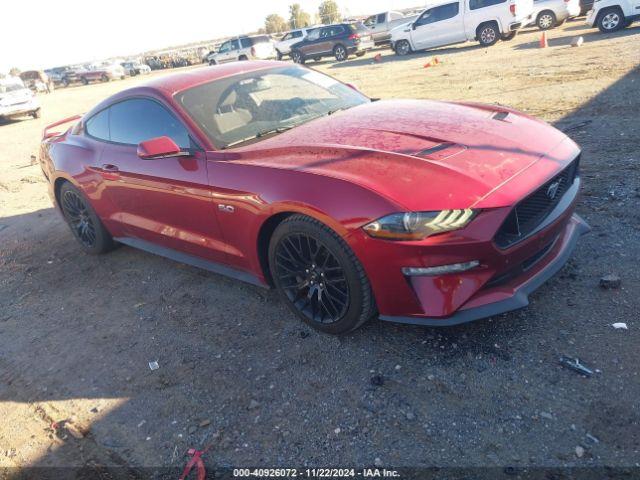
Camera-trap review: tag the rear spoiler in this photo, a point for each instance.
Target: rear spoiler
(46, 133)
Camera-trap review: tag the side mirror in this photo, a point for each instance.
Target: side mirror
(161, 147)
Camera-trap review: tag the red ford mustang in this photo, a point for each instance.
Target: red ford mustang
(422, 212)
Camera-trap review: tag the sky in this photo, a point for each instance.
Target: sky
(39, 34)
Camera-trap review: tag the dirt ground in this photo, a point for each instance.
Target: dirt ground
(239, 373)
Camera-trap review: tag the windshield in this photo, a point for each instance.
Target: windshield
(11, 87)
(241, 108)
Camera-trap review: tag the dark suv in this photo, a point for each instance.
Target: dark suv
(340, 41)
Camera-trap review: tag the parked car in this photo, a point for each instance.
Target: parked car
(17, 100)
(339, 41)
(103, 73)
(381, 25)
(283, 47)
(260, 47)
(136, 68)
(63, 76)
(551, 13)
(612, 15)
(282, 176)
(447, 23)
(37, 81)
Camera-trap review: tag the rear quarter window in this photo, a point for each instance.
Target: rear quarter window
(476, 4)
(98, 125)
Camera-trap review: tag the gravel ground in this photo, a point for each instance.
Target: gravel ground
(238, 372)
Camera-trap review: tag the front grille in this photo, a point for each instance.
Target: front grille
(530, 212)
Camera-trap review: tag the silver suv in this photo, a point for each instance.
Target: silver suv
(260, 47)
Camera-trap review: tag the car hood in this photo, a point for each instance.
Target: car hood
(424, 154)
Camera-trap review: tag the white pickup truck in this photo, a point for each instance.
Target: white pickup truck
(612, 15)
(16, 99)
(448, 22)
(381, 25)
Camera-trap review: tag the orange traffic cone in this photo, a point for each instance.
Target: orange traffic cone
(427, 65)
(543, 40)
(436, 61)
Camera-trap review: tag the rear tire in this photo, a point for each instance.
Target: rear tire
(84, 81)
(611, 20)
(83, 221)
(546, 20)
(319, 277)
(488, 34)
(340, 52)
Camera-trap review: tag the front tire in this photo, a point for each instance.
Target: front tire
(488, 34)
(279, 55)
(403, 48)
(611, 20)
(319, 277)
(546, 20)
(36, 113)
(83, 221)
(298, 57)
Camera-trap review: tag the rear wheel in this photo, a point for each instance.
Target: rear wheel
(403, 48)
(84, 81)
(319, 276)
(611, 20)
(279, 55)
(243, 58)
(546, 20)
(488, 34)
(340, 52)
(83, 221)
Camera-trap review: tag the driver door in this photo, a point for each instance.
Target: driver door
(165, 202)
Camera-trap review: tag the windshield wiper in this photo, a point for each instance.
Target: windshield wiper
(261, 134)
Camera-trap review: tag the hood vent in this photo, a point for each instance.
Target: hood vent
(500, 116)
(441, 151)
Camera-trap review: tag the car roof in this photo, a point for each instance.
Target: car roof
(171, 84)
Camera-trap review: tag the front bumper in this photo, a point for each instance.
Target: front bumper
(515, 293)
(591, 17)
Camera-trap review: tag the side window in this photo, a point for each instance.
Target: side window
(325, 33)
(245, 42)
(235, 44)
(445, 12)
(288, 36)
(476, 4)
(380, 18)
(226, 46)
(98, 125)
(371, 21)
(139, 119)
(297, 34)
(424, 18)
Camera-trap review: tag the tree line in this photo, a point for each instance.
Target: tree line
(328, 12)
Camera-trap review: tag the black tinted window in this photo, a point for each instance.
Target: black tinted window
(475, 4)
(440, 13)
(245, 42)
(98, 125)
(297, 34)
(134, 121)
(381, 18)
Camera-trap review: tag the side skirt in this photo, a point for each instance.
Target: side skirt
(192, 260)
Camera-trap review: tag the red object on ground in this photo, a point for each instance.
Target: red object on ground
(544, 43)
(196, 459)
(378, 57)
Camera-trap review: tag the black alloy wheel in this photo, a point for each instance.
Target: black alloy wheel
(83, 221)
(319, 276)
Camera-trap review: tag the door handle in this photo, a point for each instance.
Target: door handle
(110, 172)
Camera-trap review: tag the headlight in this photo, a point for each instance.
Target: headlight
(419, 225)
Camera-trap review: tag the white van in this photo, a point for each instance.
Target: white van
(447, 22)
